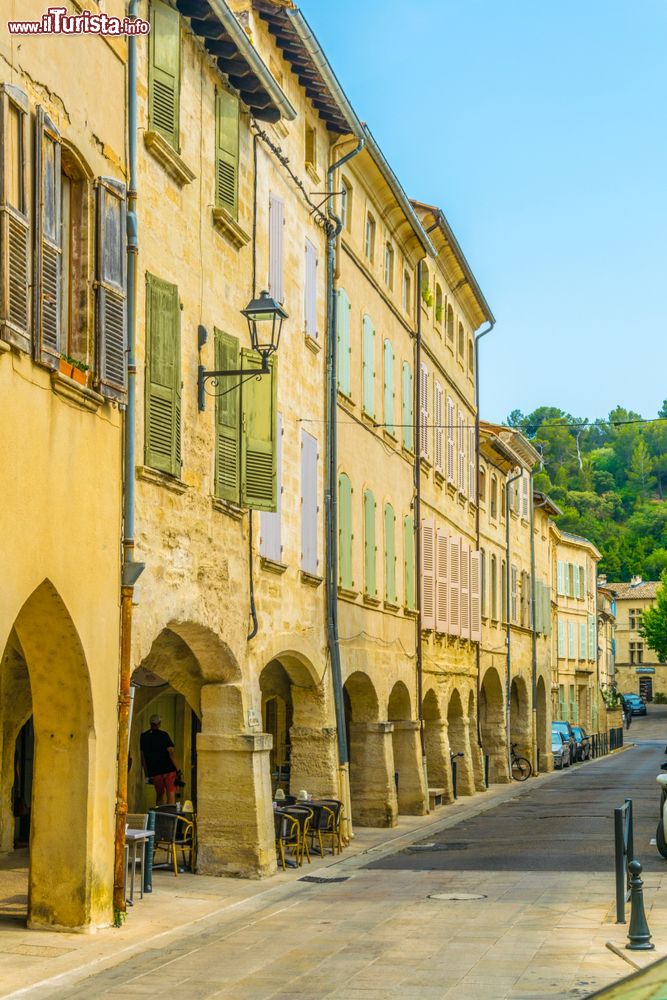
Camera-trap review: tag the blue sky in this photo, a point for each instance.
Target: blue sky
(538, 126)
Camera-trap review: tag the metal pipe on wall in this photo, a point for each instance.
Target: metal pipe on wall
(508, 640)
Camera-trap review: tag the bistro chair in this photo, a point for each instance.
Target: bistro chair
(137, 821)
(303, 815)
(333, 809)
(288, 834)
(174, 832)
(319, 824)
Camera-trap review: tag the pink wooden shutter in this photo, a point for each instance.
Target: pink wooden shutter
(475, 597)
(428, 574)
(424, 443)
(437, 405)
(454, 586)
(309, 506)
(276, 224)
(310, 291)
(270, 542)
(451, 464)
(465, 591)
(441, 619)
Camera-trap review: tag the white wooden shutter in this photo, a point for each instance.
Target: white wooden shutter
(309, 505)
(454, 586)
(451, 462)
(462, 453)
(47, 242)
(575, 576)
(276, 225)
(111, 334)
(592, 638)
(442, 594)
(310, 291)
(525, 479)
(15, 257)
(571, 649)
(439, 430)
(561, 578)
(428, 573)
(513, 592)
(561, 638)
(424, 441)
(270, 542)
(582, 640)
(476, 596)
(583, 579)
(539, 608)
(472, 465)
(465, 590)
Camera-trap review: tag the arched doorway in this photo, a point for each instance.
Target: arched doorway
(459, 743)
(493, 726)
(543, 724)
(48, 782)
(372, 786)
(438, 767)
(521, 718)
(406, 748)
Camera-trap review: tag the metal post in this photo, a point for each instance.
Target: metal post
(147, 873)
(619, 855)
(487, 761)
(630, 837)
(639, 936)
(454, 778)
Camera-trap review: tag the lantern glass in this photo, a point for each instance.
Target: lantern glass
(265, 319)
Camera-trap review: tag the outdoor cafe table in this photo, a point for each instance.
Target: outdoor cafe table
(134, 839)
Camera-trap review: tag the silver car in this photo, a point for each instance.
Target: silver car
(560, 749)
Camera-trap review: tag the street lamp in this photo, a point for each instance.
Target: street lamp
(265, 319)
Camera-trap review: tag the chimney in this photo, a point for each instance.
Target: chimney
(635, 581)
(602, 580)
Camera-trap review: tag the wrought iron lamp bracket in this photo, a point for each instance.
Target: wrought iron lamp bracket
(244, 373)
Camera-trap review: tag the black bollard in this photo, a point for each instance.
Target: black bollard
(487, 761)
(639, 936)
(147, 873)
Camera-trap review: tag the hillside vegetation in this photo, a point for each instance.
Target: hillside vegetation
(609, 477)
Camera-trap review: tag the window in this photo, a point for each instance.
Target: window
(343, 309)
(481, 487)
(389, 265)
(369, 241)
(514, 584)
(450, 324)
(462, 452)
(310, 291)
(227, 152)
(439, 429)
(47, 275)
(494, 588)
(482, 558)
(270, 522)
(438, 304)
(582, 640)
(310, 158)
(409, 561)
(346, 204)
(570, 580)
(571, 649)
(424, 440)
(276, 236)
(163, 379)
(345, 578)
(503, 591)
(471, 357)
(461, 343)
(407, 292)
(368, 365)
(15, 290)
(370, 545)
(472, 465)
(389, 394)
(636, 653)
(635, 618)
(493, 498)
(503, 501)
(309, 504)
(408, 419)
(561, 638)
(390, 593)
(164, 72)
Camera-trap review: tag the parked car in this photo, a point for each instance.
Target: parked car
(583, 741)
(566, 729)
(636, 704)
(560, 749)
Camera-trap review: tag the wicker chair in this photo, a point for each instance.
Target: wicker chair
(288, 834)
(174, 832)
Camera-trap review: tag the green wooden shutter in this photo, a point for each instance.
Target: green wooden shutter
(227, 437)
(343, 335)
(227, 151)
(390, 554)
(389, 387)
(164, 71)
(259, 435)
(409, 560)
(370, 545)
(163, 376)
(368, 397)
(407, 407)
(345, 532)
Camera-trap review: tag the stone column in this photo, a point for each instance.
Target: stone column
(372, 786)
(314, 761)
(412, 793)
(465, 777)
(438, 765)
(477, 758)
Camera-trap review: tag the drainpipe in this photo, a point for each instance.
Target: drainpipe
(478, 653)
(418, 518)
(131, 570)
(331, 492)
(508, 629)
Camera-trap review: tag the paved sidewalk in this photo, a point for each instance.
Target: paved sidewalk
(530, 936)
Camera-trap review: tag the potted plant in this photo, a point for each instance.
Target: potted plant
(427, 295)
(74, 369)
(438, 314)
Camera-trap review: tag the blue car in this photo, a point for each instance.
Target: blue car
(636, 704)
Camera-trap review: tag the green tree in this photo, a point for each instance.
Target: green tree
(654, 621)
(639, 475)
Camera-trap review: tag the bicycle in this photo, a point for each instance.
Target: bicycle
(521, 768)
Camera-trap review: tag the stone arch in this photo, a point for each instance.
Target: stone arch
(369, 741)
(436, 742)
(493, 725)
(521, 717)
(406, 750)
(459, 742)
(543, 725)
(51, 680)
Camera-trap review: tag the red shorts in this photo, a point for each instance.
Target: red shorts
(164, 783)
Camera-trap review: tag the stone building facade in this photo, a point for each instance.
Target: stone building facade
(638, 669)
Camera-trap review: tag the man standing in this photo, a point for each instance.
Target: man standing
(158, 759)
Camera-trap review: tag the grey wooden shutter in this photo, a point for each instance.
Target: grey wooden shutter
(270, 541)
(276, 223)
(310, 291)
(47, 249)
(14, 218)
(309, 505)
(111, 326)
(227, 421)
(163, 376)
